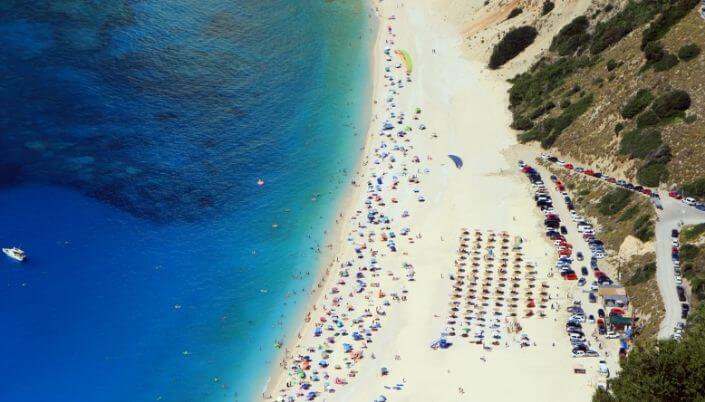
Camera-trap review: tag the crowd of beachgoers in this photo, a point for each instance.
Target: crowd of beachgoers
(350, 313)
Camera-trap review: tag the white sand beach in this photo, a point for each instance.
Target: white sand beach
(388, 286)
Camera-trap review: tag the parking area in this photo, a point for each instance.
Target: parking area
(597, 319)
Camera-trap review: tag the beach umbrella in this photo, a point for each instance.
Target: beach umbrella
(456, 159)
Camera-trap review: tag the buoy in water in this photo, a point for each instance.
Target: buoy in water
(260, 182)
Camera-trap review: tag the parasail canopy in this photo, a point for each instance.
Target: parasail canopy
(456, 159)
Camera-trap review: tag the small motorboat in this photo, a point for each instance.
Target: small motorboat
(15, 253)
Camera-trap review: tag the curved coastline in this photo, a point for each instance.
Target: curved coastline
(335, 234)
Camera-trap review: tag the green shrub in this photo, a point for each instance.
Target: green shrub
(646, 119)
(614, 201)
(642, 274)
(670, 103)
(695, 188)
(612, 64)
(652, 174)
(565, 103)
(572, 37)
(643, 228)
(653, 52)
(522, 123)
(515, 11)
(688, 52)
(637, 103)
(548, 130)
(542, 78)
(634, 14)
(640, 143)
(667, 62)
(513, 43)
(697, 287)
(671, 14)
(618, 127)
(693, 232)
(629, 213)
(540, 111)
(547, 7)
(688, 252)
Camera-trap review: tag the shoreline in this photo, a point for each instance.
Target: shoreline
(335, 229)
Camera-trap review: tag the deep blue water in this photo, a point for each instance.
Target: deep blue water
(132, 137)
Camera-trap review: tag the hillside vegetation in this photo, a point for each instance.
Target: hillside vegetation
(623, 88)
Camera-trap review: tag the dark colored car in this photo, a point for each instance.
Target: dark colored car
(564, 230)
(674, 233)
(580, 256)
(584, 271)
(685, 309)
(601, 313)
(592, 297)
(681, 293)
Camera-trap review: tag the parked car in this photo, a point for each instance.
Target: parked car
(580, 256)
(681, 293)
(675, 194)
(582, 281)
(584, 271)
(592, 297)
(611, 335)
(685, 309)
(578, 317)
(689, 201)
(674, 233)
(604, 370)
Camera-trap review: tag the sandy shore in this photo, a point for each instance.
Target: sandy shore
(396, 296)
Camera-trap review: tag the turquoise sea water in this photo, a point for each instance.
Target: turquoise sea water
(133, 134)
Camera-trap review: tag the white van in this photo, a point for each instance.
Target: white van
(604, 370)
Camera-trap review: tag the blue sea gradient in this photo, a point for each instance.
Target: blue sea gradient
(133, 134)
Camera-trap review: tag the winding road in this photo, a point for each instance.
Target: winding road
(674, 215)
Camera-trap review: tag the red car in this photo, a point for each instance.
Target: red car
(526, 169)
(589, 172)
(568, 166)
(675, 194)
(560, 188)
(571, 276)
(647, 191)
(612, 180)
(598, 273)
(617, 311)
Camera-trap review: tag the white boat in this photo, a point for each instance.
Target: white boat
(15, 253)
